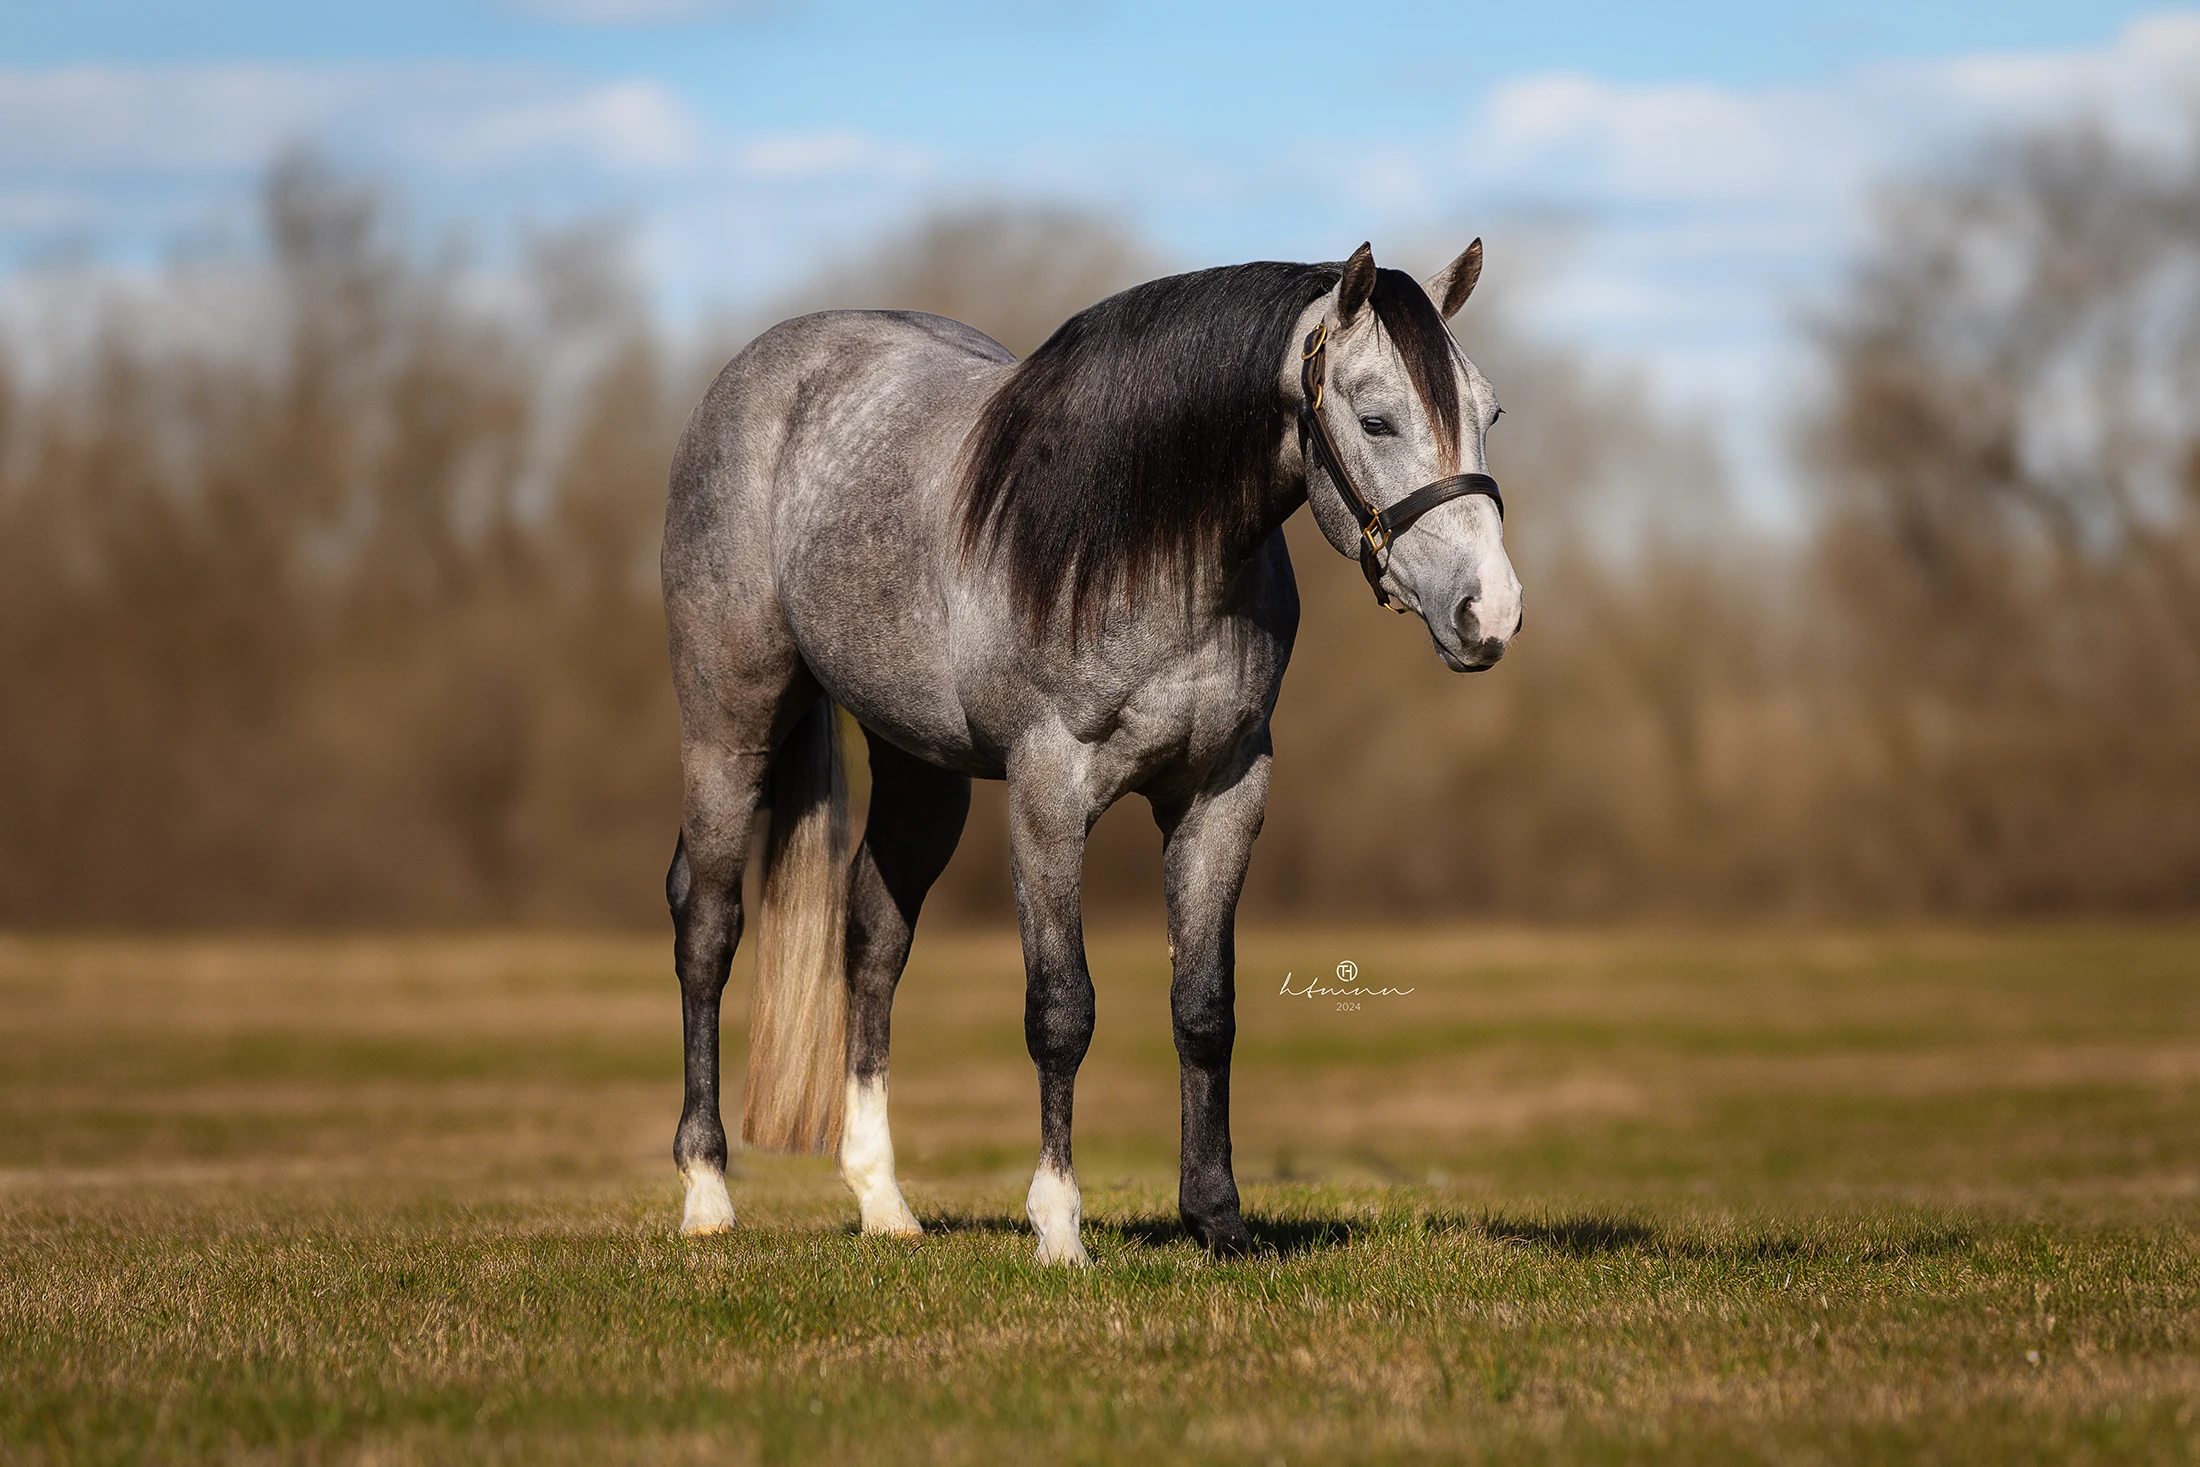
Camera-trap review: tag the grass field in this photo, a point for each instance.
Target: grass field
(1927, 1196)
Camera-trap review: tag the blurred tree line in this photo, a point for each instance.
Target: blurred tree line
(327, 591)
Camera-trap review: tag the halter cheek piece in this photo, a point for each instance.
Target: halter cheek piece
(1377, 527)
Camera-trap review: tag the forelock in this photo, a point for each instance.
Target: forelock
(1423, 342)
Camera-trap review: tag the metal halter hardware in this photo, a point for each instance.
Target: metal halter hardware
(1389, 524)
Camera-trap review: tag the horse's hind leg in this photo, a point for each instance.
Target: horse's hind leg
(704, 890)
(916, 818)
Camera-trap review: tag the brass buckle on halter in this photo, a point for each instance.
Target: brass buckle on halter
(1367, 533)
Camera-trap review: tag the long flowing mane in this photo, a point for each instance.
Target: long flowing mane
(1139, 441)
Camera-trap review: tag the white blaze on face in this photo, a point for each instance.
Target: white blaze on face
(1497, 609)
(867, 1160)
(1452, 565)
(709, 1210)
(1056, 1211)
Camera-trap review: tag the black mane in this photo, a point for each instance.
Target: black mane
(1139, 441)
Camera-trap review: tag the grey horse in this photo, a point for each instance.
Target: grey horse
(1066, 572)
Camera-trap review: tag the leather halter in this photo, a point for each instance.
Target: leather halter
(1378, 527)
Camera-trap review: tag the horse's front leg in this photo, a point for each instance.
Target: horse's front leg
(1207, 841)
(1049, 817)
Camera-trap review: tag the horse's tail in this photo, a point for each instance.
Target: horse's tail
(798, 1009)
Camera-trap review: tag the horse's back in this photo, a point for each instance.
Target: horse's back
(809, 521)
(807, 391)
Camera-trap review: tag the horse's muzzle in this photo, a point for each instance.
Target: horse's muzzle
(1477, 648)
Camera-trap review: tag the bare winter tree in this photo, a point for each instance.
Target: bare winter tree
(327, 591)
(2011, 545)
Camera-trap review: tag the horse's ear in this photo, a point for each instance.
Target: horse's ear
(1450, 286)
(1356, 286)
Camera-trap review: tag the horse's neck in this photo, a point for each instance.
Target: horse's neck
(1221, 597)
(1285, 493)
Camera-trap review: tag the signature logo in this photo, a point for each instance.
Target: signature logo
(1348, 986)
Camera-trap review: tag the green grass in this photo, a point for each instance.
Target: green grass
(1821, 1198)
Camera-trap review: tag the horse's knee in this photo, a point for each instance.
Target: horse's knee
(1203, 1013)
(1204, 1041)
(1058, 1023)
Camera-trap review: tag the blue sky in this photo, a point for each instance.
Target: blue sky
(1664, 186)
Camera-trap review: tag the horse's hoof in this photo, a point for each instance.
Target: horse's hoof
(709, 1210)
(902, 1227)
(1056, 1211)
(889, 1217)
(1223, 1239)
(1066, 1255)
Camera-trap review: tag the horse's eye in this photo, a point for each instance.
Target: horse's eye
(1377, 427)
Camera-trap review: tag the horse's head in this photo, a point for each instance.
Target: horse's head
(1405, 416)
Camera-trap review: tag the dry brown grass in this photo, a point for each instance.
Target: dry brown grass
(1791, 1197)
(515, 1054)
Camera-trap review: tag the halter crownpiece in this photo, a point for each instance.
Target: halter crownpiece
(1388, 524)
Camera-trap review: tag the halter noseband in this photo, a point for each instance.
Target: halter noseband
(1378, 527)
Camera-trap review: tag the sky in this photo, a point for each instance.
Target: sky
(1669, 188)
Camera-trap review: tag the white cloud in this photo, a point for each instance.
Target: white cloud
(623, 127)
(159, 119)
(445, 118)
(827, 154)
(1707, 217)
(114, 162)
(1616, 143)
(1575, 135)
